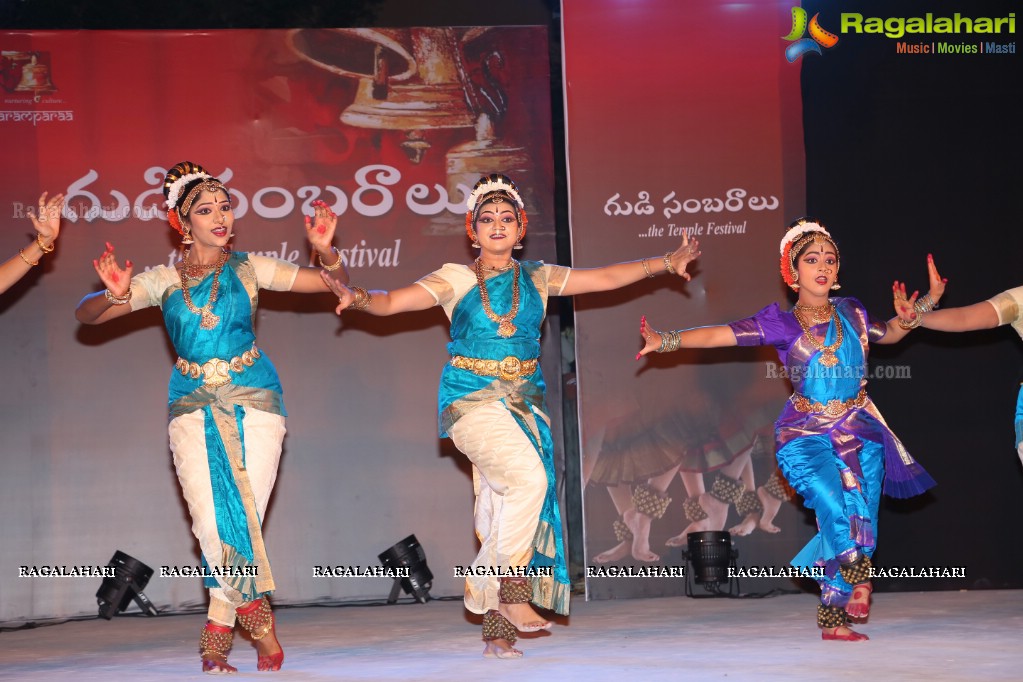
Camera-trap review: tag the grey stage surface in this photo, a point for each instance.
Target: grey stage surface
(914, 636)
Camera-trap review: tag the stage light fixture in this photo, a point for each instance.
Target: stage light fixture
(709, 556)
(129, 579)
(408, 554)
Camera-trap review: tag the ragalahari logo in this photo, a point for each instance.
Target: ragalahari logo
(818, 36)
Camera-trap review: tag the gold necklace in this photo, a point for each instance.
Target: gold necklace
(817, 314)
(505, 328)
(209, 320)
(828, 358)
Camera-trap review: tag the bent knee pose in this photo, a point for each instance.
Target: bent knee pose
(832, 444)
(226, 408)
(492, 401)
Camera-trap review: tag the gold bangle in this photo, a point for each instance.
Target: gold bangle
(913, 324)
(118, 300)
(44, 247)
(362, 299)
(337, 263)
(646, 268)
(21, 252)
(670, 341)
(667, 264)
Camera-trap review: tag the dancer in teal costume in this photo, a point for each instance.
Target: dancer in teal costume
(225, 400)
(491, 402)
(833, 445)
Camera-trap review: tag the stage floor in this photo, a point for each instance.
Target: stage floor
(914, 636)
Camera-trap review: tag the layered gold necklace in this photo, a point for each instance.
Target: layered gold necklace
(808, 315)
(505, 328)
(189, 270)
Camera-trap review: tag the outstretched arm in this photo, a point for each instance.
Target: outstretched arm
(115, 300)
(586, 280)
(319, 231)
(47, 226)
(404, 300)
(967, 318)
(717, 336)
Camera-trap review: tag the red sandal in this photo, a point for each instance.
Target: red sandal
(833, 618)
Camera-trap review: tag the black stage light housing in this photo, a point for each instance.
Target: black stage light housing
(709, 556)
(117, 592)
(408, 554)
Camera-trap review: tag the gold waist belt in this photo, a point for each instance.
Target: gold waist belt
(217, 372)
(509, 368)
(833, 408)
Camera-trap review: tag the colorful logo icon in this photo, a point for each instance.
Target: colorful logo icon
(818, 36)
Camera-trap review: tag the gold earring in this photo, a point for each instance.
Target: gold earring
(186, 235)
(836, 286)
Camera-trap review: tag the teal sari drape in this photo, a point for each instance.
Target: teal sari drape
(257, 387)
(474, 335)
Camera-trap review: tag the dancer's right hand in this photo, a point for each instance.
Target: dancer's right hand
(651, 338)
(116, 278)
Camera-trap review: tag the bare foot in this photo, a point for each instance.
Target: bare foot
(746, 526)
(500, 648)
(523, 617)
(859, 604)
(214, 664)
(771, 506)
(615, 553)
(639, 524)
(717, 514)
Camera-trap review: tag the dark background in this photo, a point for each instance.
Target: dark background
(906, 155)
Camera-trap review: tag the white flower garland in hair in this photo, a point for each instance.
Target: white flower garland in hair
(798, 230)
(173, 194)
(493, 186)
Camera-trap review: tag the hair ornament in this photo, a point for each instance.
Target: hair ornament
(173, 190)
(493, 184)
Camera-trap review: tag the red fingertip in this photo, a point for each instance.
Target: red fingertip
(639, 355)
(127, 263)
(944, 280)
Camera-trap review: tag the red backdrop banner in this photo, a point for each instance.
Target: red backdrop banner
(682, 118)
(391, 127)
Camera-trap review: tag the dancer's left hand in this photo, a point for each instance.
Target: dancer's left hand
(345, 296)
